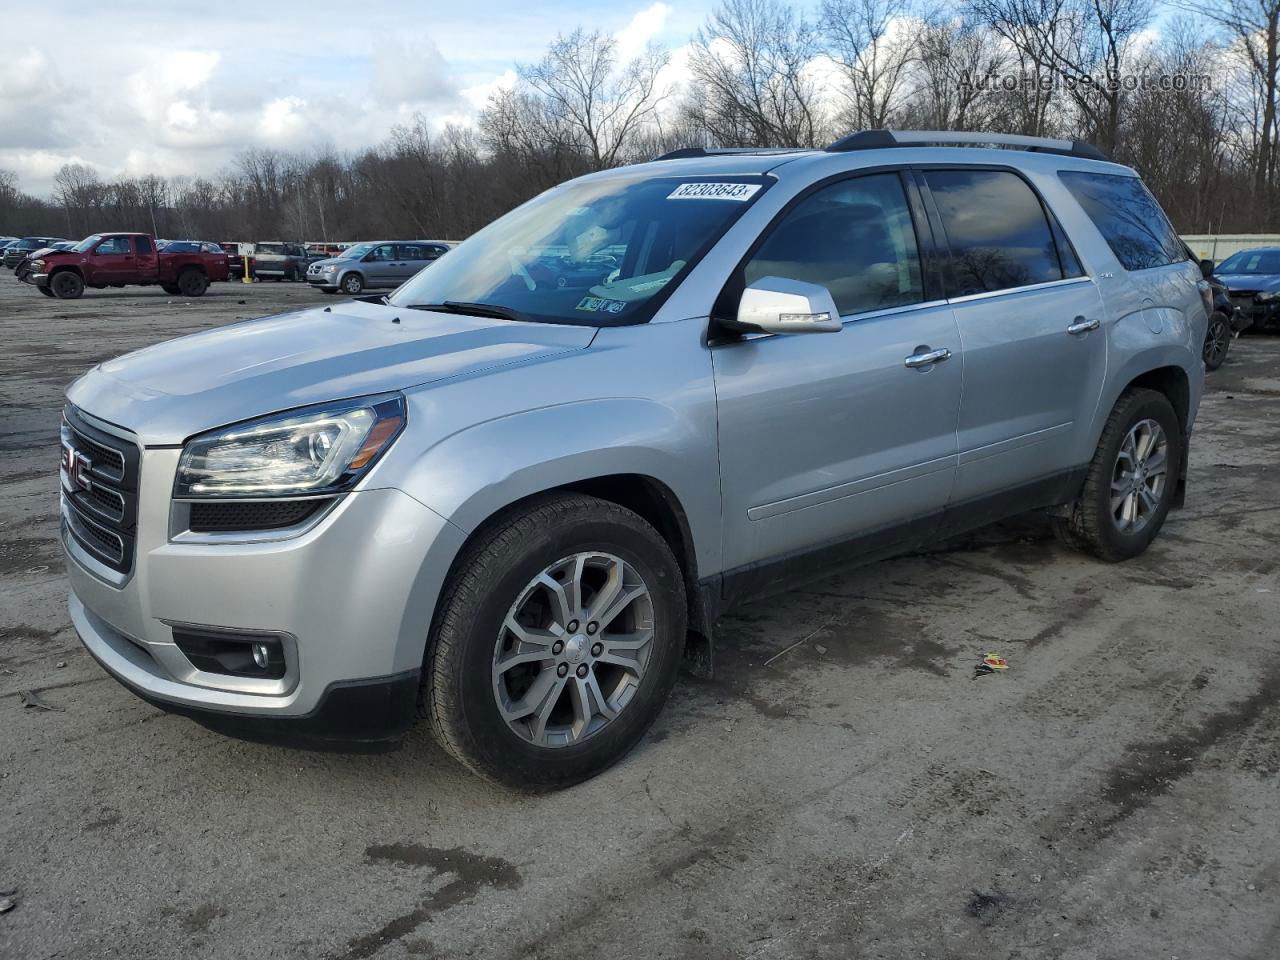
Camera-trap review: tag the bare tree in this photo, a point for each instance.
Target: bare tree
(752, 82)
(592, 102)
(1254, 26)
(874, 64)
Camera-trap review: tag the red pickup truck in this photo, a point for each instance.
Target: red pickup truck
(119, 259)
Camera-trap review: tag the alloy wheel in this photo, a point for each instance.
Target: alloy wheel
(1216, 342)
(1139, 476)
(573, 649)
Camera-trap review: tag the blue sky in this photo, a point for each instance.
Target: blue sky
(135, 87)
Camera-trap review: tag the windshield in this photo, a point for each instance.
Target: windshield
(356, 252)
(87, 243)
(1251, 261)
(599, 252)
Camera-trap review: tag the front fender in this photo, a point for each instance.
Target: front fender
(470, 475)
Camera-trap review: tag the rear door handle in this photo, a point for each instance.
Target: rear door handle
(1082, 325)
(924, 359)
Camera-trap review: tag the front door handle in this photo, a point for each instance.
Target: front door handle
(1082, 325)
(924, 359)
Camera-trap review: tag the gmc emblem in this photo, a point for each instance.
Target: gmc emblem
(76, 466)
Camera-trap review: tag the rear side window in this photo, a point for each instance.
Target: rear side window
(1126, 214)
(996, 231)
(855, 238)
(411, 251)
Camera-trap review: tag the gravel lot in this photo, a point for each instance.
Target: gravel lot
(1113, 795)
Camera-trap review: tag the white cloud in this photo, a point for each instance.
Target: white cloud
(479, 94)
(107, 88)
(644, 27)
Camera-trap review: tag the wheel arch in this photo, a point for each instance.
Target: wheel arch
(1171, 379)
(657, 504)
(68, 267)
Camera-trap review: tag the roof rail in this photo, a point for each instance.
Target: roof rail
(686, 152)
(879, 139)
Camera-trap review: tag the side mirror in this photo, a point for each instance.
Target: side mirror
(1206, 268)
(779, 305)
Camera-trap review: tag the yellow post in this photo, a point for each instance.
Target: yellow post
(246, 278)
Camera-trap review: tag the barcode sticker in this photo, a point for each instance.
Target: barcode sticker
(714, 191)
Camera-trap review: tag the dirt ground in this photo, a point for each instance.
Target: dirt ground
(1114, 794)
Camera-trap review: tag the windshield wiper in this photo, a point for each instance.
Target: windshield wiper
(475, 310)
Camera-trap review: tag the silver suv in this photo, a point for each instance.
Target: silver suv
(514, 497)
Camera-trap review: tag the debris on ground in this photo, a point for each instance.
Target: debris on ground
(30, 698)
(7, 902)
(989, 664)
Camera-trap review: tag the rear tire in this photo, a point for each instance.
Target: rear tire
(574, 705)
(1141, 449)
(1217, 341)
(192, 282)
(66, 285)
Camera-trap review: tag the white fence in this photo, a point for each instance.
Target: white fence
(1219, 246)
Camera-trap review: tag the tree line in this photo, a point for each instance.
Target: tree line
(1192, 107)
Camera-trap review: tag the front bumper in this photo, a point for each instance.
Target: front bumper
(354, 593)
(323, 281)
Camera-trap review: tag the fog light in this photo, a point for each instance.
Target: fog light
(261, 655)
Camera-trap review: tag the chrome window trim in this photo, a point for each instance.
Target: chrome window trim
(845, 320)
(1046, 285)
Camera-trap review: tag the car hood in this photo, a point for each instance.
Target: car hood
(1249, 281)
(168, 392)
(329, 260)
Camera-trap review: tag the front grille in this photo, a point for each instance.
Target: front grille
(100, 490)
(248, 515)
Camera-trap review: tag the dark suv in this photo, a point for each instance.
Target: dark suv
(15, 253)
(280, 261)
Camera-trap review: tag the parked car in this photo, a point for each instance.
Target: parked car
(17, 250)
(24, 265)
(279, 261)
(380, 263)
(189, 246)
(1252, 278)
(121, 259)
(514, 507)
(1226, 321)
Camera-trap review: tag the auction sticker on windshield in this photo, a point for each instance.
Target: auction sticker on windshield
(714, 191)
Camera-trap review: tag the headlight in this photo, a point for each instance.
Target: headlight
(1267, 296)
(322, 449)
(37, 264)
(331, 269)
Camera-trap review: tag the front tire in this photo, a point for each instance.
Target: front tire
(353, 284)
(1131, 480)
(66, 285)
(555, 644)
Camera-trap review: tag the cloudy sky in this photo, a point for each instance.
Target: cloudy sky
(135, 87)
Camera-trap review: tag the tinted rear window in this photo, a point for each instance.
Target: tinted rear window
(996, 230)
(1128, 217)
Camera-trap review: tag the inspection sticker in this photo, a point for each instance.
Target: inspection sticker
(714, 191)
(596, 304)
